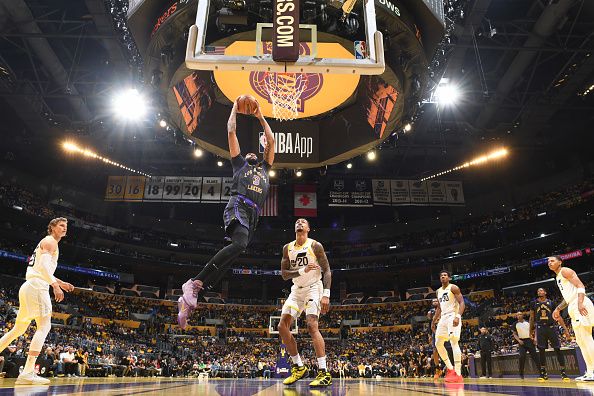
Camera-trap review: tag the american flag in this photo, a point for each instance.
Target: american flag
(215, 49)
(271, 204)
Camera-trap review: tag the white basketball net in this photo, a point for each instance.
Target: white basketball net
(284, 90)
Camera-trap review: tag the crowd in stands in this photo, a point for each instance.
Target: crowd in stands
(82, 347)
(13, 196)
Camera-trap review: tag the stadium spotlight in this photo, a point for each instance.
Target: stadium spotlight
(198, 153)
(446, 93)
(298, 173)
(129, 104)
(68, 146)
(220, 163)
(349, 165)
(408, 127)
(494, 155)
(271, 173)
(162, 123)
(371, 155)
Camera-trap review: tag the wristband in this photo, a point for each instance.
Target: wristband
(326, 293)
(581, 290)
(301, 271)
(458, 316)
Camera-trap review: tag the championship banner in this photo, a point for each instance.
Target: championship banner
(412, 192)
(305, 201)
(400, 192)
(350, 192)
(381, 191)
(436, 192)
(418, 192)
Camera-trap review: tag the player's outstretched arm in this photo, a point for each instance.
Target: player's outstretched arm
(286, 272)
(326, 275)
(269, 149)
(234, 149)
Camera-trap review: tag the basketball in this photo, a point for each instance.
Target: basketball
(246, 104)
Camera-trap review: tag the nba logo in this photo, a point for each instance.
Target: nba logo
(262, 142)
(360, 50)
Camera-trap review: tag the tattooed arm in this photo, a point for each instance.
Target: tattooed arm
(326, 275)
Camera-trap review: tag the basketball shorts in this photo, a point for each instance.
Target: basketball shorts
(576, 317)
(305, 298)
(34, 301)
(546, 334)
(445, 327)
(238, 211)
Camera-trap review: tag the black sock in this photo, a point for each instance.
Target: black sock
(212, 272)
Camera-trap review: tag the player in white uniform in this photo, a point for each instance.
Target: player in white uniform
(305, 261)
(34, 299)
(580, 309)
(449, 313)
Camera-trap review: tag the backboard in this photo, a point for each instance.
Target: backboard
(198, 58)
(273, 326)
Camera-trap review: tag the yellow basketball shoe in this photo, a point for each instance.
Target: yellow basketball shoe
(297, 372)
(323, 379)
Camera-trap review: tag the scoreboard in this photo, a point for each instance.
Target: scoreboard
(169, 189)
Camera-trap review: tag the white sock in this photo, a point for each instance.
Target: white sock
(297, 360)
(322, 363)
(30, 364)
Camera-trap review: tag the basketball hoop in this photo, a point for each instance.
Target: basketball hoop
(284, 91)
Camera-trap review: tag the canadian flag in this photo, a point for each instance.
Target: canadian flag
(305, 200)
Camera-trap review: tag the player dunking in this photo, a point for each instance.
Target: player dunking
(34, 299)
(541, 318)
(305, 261)
(449, 312)
(248, 194)
(580, 309)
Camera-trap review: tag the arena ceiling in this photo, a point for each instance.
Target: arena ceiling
(524, 67)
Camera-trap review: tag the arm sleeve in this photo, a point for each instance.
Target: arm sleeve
(237, 162)
(44, 268)
(266, 166)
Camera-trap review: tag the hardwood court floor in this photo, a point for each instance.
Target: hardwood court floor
(241, 387)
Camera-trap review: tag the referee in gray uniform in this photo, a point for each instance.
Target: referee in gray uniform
(521, 334)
